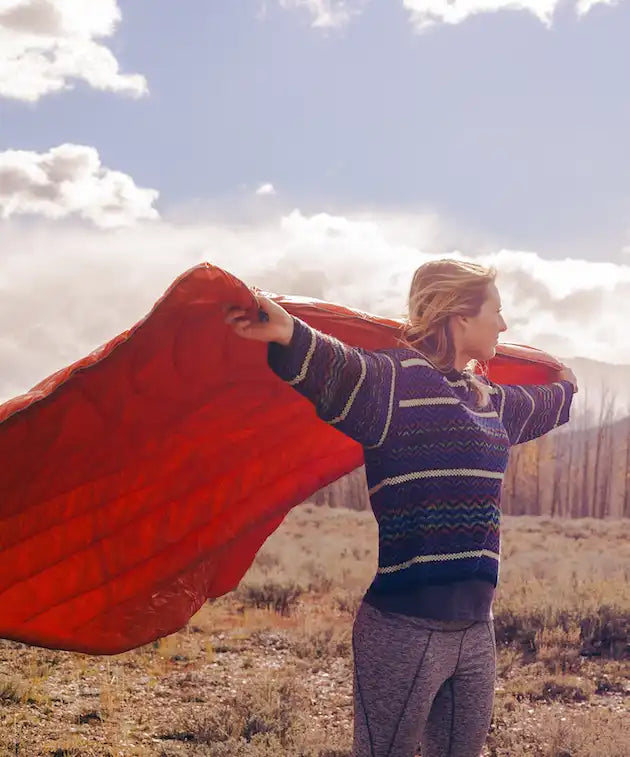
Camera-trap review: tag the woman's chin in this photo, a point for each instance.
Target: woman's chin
(484, 355)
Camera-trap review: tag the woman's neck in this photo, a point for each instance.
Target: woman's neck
(461, 361)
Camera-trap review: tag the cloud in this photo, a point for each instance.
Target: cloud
(45, 44)
(266, 189)
(70, 180)
(65, 290)
(584, 6)
(325, 14)
(427, 13)
(424, 14)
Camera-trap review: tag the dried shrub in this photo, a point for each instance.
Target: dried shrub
(16, 691)
(568, 690)
(606, 633)
(322, 643)
(271, 595)
(347, 602)
(266, 709)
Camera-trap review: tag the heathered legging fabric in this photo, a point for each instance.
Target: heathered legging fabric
(421, 683)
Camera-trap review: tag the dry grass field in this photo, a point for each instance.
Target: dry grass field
(267, 670)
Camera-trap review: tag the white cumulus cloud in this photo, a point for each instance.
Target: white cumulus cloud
(266, 189)
(427, 13)
(584, 6)
(325, 13)
(46, 44)
(70, 180)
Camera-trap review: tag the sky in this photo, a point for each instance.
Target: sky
(316, 147)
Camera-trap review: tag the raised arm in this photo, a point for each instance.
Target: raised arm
(351, 389)
(530, 411)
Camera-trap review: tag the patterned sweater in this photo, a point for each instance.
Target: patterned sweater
(434, 462)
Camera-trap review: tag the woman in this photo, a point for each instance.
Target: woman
(436, 439)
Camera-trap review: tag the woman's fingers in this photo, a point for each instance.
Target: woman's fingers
(241, 322)
(265, 321)
(234, 313)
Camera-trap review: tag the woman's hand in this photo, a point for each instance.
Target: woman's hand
(274, 324)
(566, 374)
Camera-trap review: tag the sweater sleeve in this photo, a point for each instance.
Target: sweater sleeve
(530, 411)
(352, 389)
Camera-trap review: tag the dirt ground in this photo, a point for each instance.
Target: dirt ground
(267, 670)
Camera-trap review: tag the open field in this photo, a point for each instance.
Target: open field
(267, 670)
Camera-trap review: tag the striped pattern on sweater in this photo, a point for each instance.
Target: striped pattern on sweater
(434, 460)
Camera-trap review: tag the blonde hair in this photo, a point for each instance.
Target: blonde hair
(441, 289)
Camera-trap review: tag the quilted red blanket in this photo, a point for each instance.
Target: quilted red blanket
(142, 479)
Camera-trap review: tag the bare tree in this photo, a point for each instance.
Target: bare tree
(556, 489)
(626, 489)
(567, 506)
(603, 462)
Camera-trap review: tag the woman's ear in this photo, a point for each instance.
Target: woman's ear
(458, 323)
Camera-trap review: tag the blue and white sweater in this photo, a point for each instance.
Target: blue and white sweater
(434, 462)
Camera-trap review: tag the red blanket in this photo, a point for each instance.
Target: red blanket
(142, 479)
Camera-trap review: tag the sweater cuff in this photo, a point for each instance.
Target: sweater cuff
(287, 361)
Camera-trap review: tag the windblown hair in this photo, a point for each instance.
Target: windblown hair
(441, 289)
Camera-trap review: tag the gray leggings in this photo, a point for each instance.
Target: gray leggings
(421, 683)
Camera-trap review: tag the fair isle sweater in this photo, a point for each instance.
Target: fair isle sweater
(434, 463)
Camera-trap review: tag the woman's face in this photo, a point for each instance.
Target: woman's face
(481, 332)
